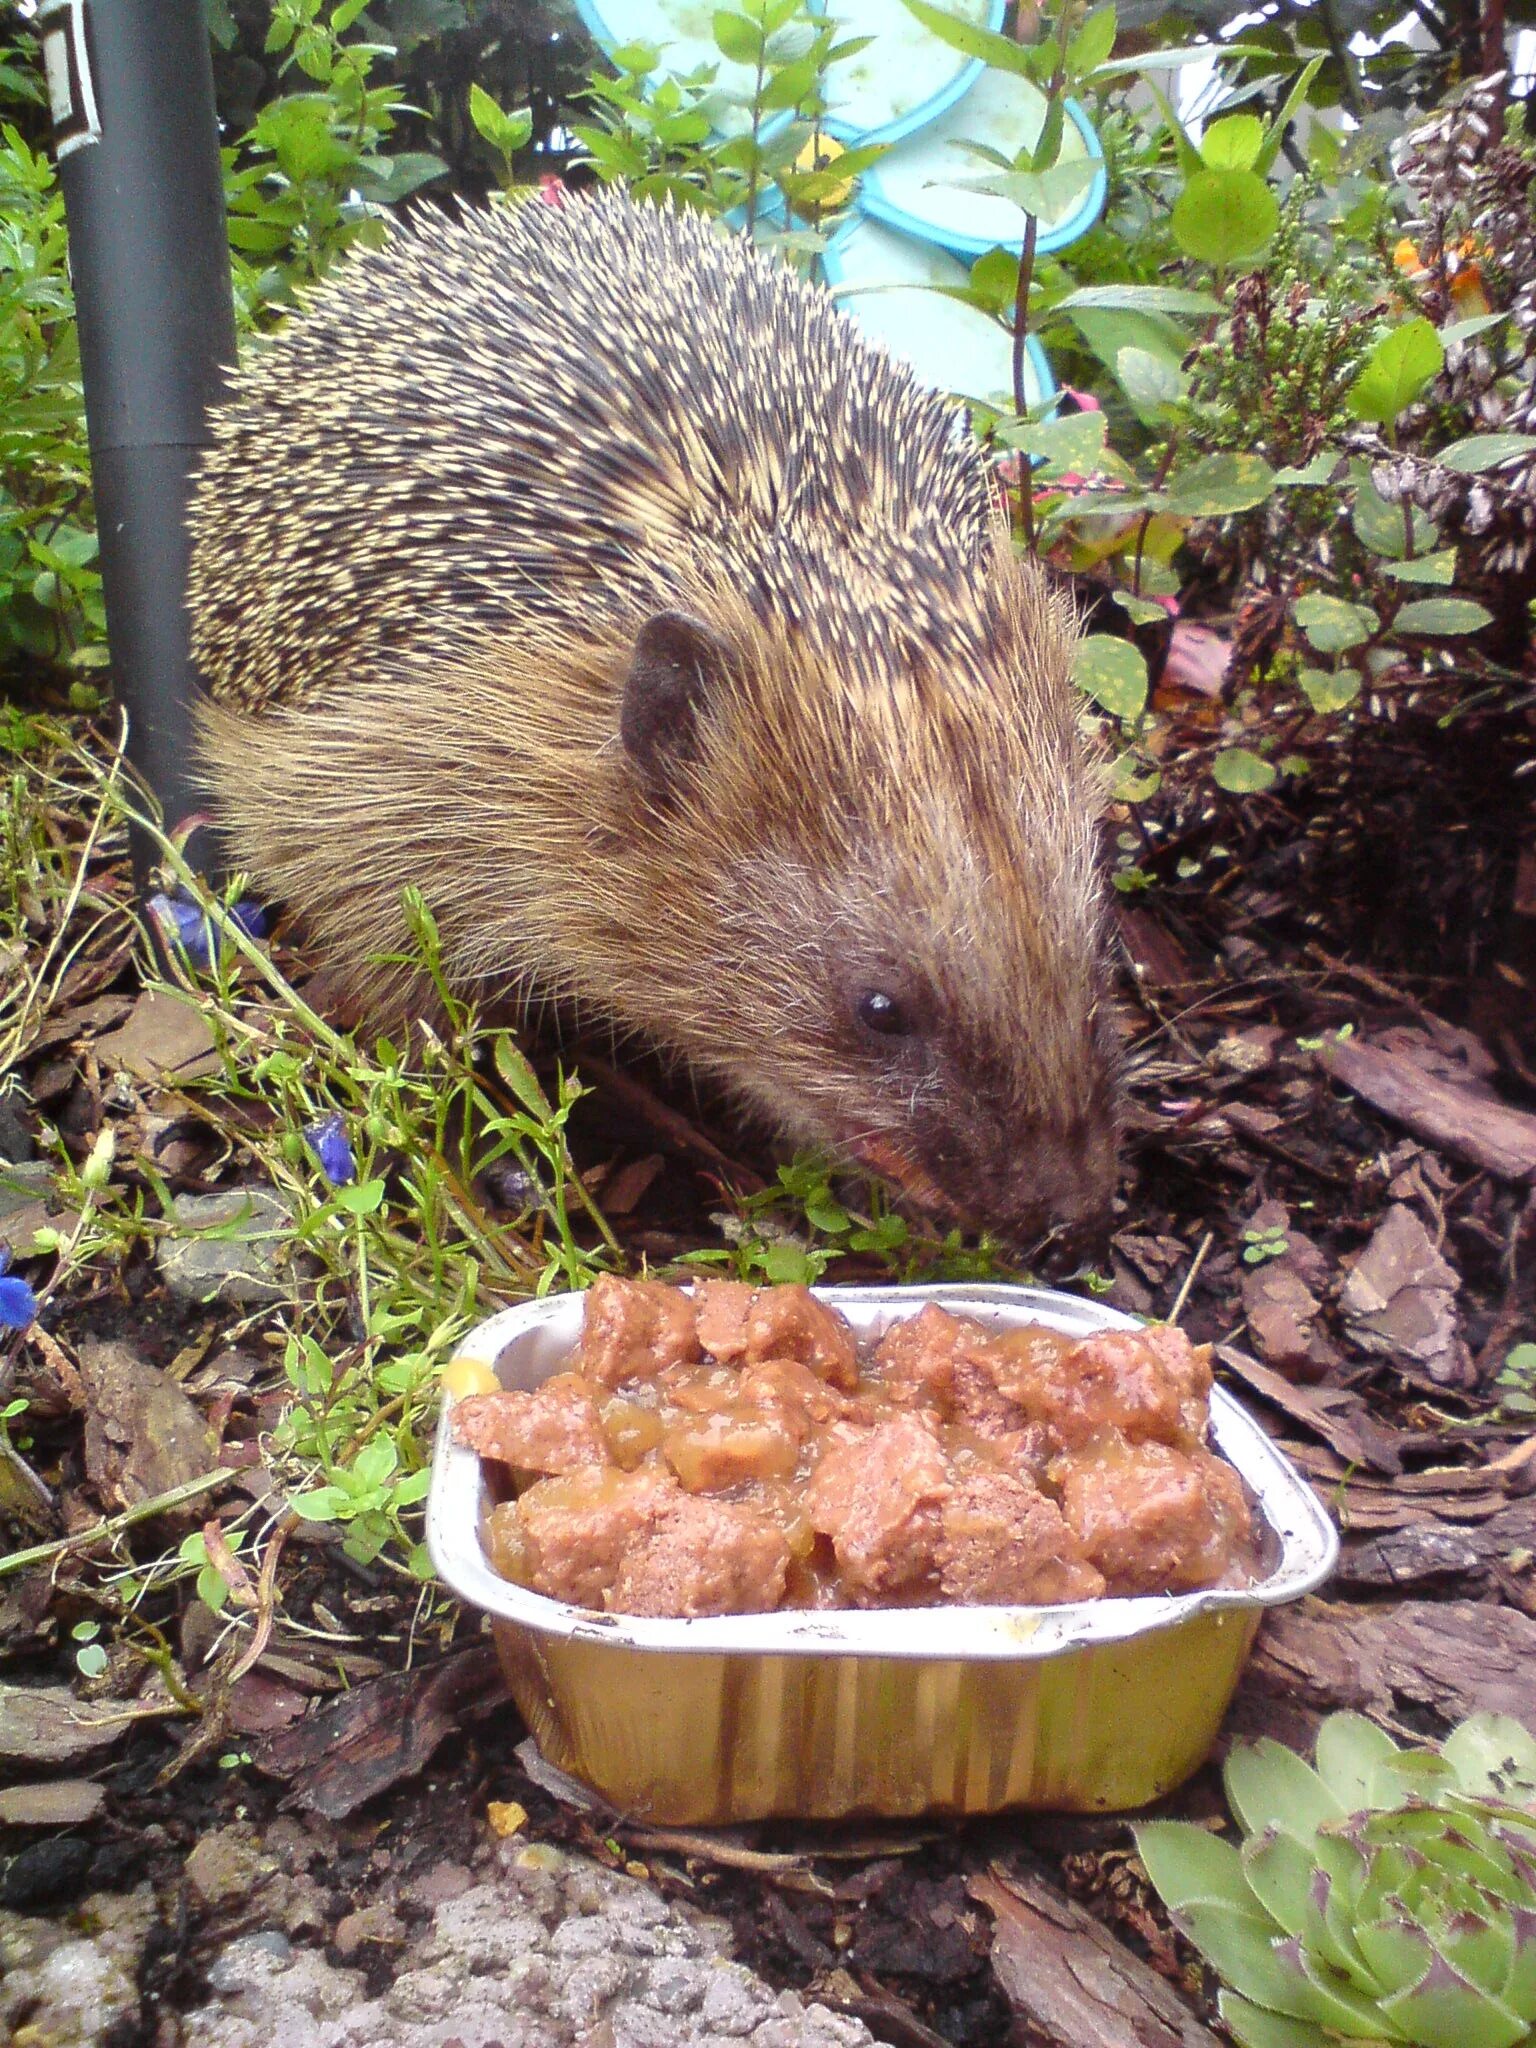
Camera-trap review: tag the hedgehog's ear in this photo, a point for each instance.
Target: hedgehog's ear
(677, 664)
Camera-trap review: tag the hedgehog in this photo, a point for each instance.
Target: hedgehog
(588, 569)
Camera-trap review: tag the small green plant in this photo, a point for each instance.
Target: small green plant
(1517, 1378)
(1268, 1243)
(1389, 1895)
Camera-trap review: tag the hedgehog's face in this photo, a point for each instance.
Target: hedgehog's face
(903, 935)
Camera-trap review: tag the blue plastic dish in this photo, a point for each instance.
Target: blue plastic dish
(883, 15)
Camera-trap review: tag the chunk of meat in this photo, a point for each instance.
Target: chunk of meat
(915, 1359)
(742, 1325)
(1005, 1545)
(736, 1444)
(703, 1557)
(793, 1394)
(556, 1428)
(1154, 1519)
(1150, 1385)
(950, 1365)
(576, 1529)
(634, 1329)
(878, 1496)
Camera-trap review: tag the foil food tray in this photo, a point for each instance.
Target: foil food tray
(1098, 1706)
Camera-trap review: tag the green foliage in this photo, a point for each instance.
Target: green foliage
(50, 592)
(724, 151)
(1387, 1895)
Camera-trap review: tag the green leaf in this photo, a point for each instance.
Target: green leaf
(1318, 471)
(1438, 568)
(1241, 772)
(1188, 1864)
(362, 1199)
(1268, 1785)
(1173, 60)
(1348, 1745)
(1137, 298)
(1484, 451)
(1466, 330)
(1002, 53)
(1396, 371)
(514, 1070)
(1383, 527)
(1252, 2027)
(506, 132)
(1113, 673)
(736, 38)
(1093, 42)
(1220, 484)
(1332, 624)
(1274, 135)
(1493, 1753)
(1048, 194)
(1442, 615)
(1148, 380)
(376, 1460)
(1185, 150)
(1244, 1951)
(1225, 217)
(1074, 442)
(1232, 143)
(321, 1505)
(1279, 1872)
(1446, 2010)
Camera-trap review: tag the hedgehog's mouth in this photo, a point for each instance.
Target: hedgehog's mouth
(904, 1174)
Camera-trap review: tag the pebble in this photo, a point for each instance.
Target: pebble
(247, 1267)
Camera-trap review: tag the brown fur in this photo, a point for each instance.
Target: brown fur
(442, 507)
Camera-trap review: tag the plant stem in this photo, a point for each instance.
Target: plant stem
(114, 1525)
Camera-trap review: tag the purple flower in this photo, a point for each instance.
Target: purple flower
(18, 1304)
(328, 1141)
(188, 925)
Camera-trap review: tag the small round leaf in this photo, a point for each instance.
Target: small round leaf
(1331, 623)
(1241, 772)
(1223, 217)
(1113, 673)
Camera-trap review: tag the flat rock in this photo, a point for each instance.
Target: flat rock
(550, 1952)
(75, 1984)
(246, 1264)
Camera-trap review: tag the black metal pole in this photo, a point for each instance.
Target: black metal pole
(131, 85)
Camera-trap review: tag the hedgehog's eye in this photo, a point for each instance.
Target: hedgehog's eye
(881, 1013)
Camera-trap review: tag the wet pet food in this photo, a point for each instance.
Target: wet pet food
(728, 1450)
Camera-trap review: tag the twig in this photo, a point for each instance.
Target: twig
(114, 1525)
(1189, 1278)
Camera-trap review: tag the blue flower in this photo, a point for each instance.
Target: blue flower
(18, 1304)
(328, 1141)
(188, 925)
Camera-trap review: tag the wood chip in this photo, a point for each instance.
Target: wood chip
(163, 1038)
(1071, 1982)
(1445, 1658)
(1340, 1418)
(143, 1437)
(63, 1803)
(1460, 1119)
(381, 1732)
(46, 1724)
(1399, 1301)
